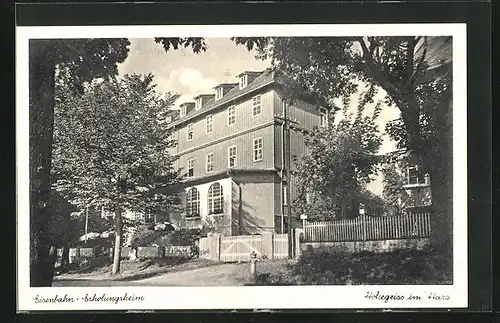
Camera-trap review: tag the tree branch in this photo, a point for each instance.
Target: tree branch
(379, 76)
(419, 67)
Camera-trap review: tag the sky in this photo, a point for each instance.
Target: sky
(183, 72)
(188, 74)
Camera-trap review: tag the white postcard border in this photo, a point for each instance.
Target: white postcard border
(251, 297)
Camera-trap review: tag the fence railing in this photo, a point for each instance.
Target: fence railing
(369, 228)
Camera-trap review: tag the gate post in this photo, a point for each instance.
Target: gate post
(268, 244)
(218, 243)
(298, 235)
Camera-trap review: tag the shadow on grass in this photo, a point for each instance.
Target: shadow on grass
(400, 267)
(90, 266)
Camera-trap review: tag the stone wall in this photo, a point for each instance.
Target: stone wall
(357, 246)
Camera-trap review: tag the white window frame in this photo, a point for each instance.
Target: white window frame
(168, 119)
(284, 194)
(183, 111)
(229, 155)
(189, 130)
(198, 103)
(261, 148)
(254, 106)
(193, 202)
(209, 163)
(209, 123)
(243, 81)
(419, 174)
(219, 93)
(211, 199)
(323, 116)
(231, 116)
(190, 165)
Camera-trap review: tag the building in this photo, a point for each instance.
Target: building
(413, 188)
(232, 149)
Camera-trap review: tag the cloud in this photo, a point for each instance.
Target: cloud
(188, 82)
(194, 80)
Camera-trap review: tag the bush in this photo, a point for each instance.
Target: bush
(148, 237)
(185, 237)
(396, 267)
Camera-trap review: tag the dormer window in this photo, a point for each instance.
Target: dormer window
(219, 92)
(183, 111)
(199, 103)
(243, 81)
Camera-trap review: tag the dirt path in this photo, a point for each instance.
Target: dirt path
(233, 274)
(220, 275)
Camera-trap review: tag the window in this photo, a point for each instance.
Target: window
(183, 111)
(219, 92)
(168, 119)
(232, 156)
(243, 81)
(193, 202)
(231, 115)
(190, 131)
(256, 107)
(190, 172)
(415, 176)
(209, 120)
(323, 117)
(198, 103)
(257, 149)
(285, 194)
(210, 162)
(215, 199)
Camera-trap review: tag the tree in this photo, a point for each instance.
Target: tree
(393, 192)
(85, 59)
(110, 148)
(414, 72)
(337, 165)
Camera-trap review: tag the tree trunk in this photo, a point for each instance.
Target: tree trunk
(41, 123)
(65, 257)
(442, 207)
(118, 241)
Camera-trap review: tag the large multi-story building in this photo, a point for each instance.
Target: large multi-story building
(232, 149)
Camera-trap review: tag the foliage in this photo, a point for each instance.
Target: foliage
(109, 148)
(186, 237)
(414, 71)
(197, 44)
(338, 162)
(335, 67)
(149, 237)
(399, 267)
(374, 205)
(83, 60)
(393, 192)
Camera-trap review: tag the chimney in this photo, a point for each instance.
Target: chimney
(222, 89)
(202, 99)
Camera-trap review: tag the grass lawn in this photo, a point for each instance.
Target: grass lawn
(401, 267)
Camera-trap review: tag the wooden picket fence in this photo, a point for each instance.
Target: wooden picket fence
(416, 225)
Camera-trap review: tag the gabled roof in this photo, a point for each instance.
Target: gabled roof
(225, 85)
(265, 78)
